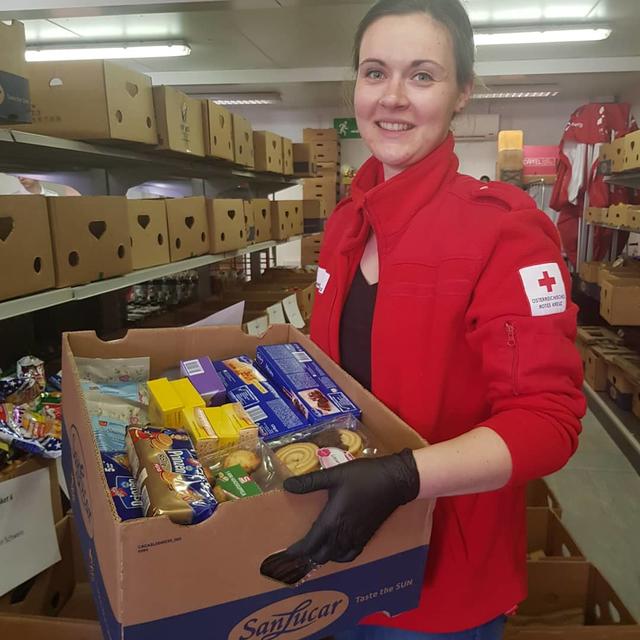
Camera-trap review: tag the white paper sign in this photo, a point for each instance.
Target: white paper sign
(230, 316)
(276, 314)
(258, 326)
(290, 305)
(28, 543)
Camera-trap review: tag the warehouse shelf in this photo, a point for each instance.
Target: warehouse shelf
(30, 152)
(613, 226)
(28, 304)
(629, 179)
(622, 426)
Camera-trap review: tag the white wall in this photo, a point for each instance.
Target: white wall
(633, 96)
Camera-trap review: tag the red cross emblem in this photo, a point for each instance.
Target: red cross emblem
(547, 281)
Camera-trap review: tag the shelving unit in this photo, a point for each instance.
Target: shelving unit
(629, 179)
(622, 426)
(27, 304)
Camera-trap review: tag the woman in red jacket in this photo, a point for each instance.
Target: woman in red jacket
(448, 298)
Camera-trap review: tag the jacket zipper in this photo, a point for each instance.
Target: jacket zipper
(512, 343)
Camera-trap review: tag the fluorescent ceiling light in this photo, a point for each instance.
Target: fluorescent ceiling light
(514, 94)
(232, 99)
(541, 37)
(108, 52)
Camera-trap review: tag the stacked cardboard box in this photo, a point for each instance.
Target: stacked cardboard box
(15, 103)
(310, 249)
(179, 120)
(631, 151)
(326, 150)
(510, 164)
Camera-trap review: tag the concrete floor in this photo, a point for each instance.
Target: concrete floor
(599, 492)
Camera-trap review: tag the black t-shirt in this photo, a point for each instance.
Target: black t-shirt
(355, 329)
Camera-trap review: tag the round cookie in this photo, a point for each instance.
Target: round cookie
(219, 494)
(299, 457)
(248, 460)
(352, 441)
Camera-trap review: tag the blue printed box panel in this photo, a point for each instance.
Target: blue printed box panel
(15, 99)
(304, 382)
(246, 385)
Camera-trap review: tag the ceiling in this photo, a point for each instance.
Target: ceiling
(302, 48)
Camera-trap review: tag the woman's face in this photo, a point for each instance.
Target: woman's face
(406, 91)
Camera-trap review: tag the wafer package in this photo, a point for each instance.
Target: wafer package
(309, 388)
(273, 414)
(168, 475)
(122, 486)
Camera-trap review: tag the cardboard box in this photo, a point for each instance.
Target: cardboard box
(619, 387)
(287, 157)
(605, 157)
(129, 561)
(249, 222)
(25, 246)
(620, 301)
(267, 151)
(617, 215)
(57, 605)
(179, 121)
(91, 100)
(510, 140)
(326, 152)
(226, 225)
(314, 209)
(327, 170)
(570, 599)
(511, 160)
(149, 233)
(321, 189)
(547, 537)
(91, 239)
(540, 495)
(631, 151)
(310, 249)
(262, 218)
(188, 228)
(15, 102)
(218, 131)
(589, 271)
(320, 135)
(243, 141)
(304, 162)
(286, 219)
(618, 155)
(314, 226)
(599, 356)
(633, 219)
(596, 214)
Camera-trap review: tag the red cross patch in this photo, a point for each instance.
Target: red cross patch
(544, 288)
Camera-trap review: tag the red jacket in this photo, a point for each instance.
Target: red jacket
(458, 341)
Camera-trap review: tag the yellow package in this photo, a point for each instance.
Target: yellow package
(245, 427)
(187, 393)
(165, 406)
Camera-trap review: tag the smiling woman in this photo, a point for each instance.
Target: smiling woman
(447, 298)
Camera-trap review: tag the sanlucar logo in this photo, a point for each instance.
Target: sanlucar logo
(80, 480)
(294, 618)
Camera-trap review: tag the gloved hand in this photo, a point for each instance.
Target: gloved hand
(362, 495)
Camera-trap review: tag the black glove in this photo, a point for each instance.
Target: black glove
(362, 495)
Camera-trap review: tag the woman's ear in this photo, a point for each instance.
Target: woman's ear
(464, 97)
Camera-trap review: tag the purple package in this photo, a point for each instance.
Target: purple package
(203, 376)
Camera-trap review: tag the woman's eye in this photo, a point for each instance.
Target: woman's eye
(374, 74)
(423, 76)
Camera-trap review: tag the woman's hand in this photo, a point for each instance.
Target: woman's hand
(362, 495)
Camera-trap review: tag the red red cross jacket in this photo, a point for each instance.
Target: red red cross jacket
(473, 325)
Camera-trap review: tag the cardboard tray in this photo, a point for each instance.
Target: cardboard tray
(155, 579)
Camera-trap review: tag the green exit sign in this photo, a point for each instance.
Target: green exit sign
(346, 127)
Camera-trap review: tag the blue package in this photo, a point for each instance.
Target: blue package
(129, 391)
(122, 486)
(270, 411)
(293, 371)
(109, 433)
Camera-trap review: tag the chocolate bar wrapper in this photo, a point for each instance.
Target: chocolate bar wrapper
(273, 414)
(309, 388)
(122, 486)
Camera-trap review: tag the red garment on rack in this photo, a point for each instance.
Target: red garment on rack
(591, 124)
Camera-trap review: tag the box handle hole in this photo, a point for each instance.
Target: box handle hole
(144, 220)
(132, 89)
(97, 228)
(189, 221)
(231, 213)
(6, 227)
(74, 259)
(160, 239)
(37, 265)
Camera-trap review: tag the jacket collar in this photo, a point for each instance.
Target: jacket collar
(389, 205)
